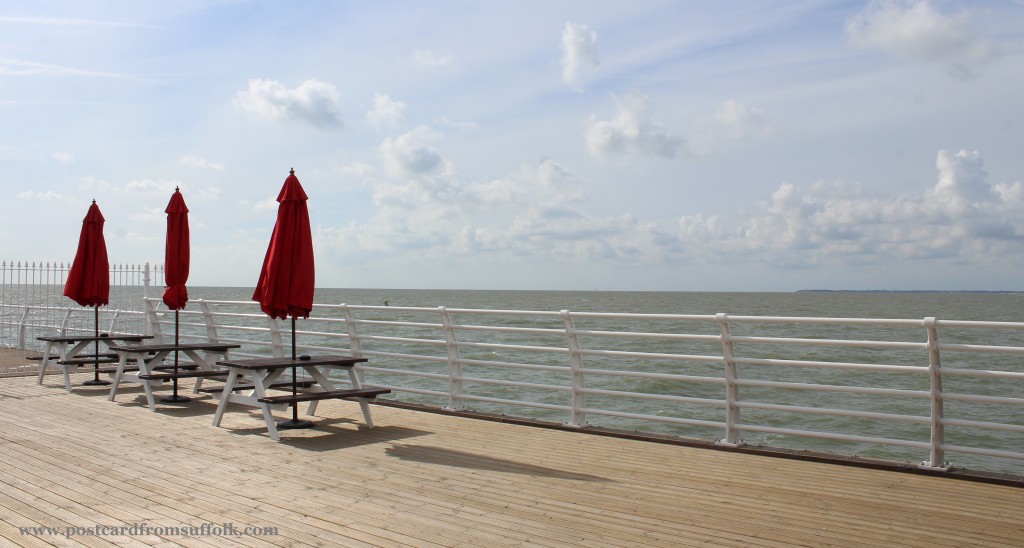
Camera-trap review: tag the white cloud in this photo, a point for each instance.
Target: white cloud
(531, 213)
(963, 184)
(631, 130)
(730, 121)
(411, 153)
(64, 158)
(199, 162)
(386, 112)
(579, 51)
(311, 101)
(962, 217)
(428, 59)
(917, 31)
(270, 204)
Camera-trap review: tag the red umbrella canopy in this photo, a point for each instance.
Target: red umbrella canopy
(176, 255)
(88, 282)
(285, 287)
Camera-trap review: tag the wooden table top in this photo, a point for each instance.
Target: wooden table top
(280, 363)
(102, 337)
(219, 347)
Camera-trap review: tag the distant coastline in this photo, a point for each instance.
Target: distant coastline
(1001, 291)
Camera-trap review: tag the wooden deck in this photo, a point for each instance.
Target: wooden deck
(423, 479)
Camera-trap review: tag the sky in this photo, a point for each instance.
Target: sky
(585, 145)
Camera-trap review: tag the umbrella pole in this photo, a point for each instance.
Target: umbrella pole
(175, 398)
(96, 351)
(294, 422)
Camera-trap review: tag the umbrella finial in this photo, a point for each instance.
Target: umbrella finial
(292, 171)
(94, 200)
(177, 188)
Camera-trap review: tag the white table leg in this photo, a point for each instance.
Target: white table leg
(323, 380)
(353, 375)
(45, 362)
(121, 362)
(262, 379)
(145, 369)
(67, 355)
(229, 387)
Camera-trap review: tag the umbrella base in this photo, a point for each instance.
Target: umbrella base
(96, 382)
(177, 398)
(294, 424)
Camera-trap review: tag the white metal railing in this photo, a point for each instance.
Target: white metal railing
(734, 378)
(898, 389)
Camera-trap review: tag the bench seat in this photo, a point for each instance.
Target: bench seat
(238, 387)
(87, 360)
(135, 368)
(187, 374)
(366, 393)
(54, 357)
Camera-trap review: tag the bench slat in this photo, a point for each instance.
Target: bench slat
(55, 357)
(368, 393)
(288, 384)
(87, 361)
(182, 375)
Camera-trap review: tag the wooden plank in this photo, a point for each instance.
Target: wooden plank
(421, 479)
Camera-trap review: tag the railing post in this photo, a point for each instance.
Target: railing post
(455, 389)
(937, 456)
(211, 325)
(579, 394)
(732, 392)
(276, 343)
(354, 346)
(114, 321)
(152, 321)
(64, 322)
(23, 325)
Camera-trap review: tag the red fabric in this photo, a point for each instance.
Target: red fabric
(285, 287)
(176, 255)
(88, 282)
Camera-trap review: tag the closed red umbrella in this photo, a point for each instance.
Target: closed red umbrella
(176, 262)
(285, 287)
(176, 256)
(286, 283)
(88, 282)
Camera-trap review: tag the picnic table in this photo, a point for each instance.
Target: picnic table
(263, 372)
(66, 352)
(151, 374)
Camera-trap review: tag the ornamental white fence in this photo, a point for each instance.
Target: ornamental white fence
(932, 392)
(32, 302)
